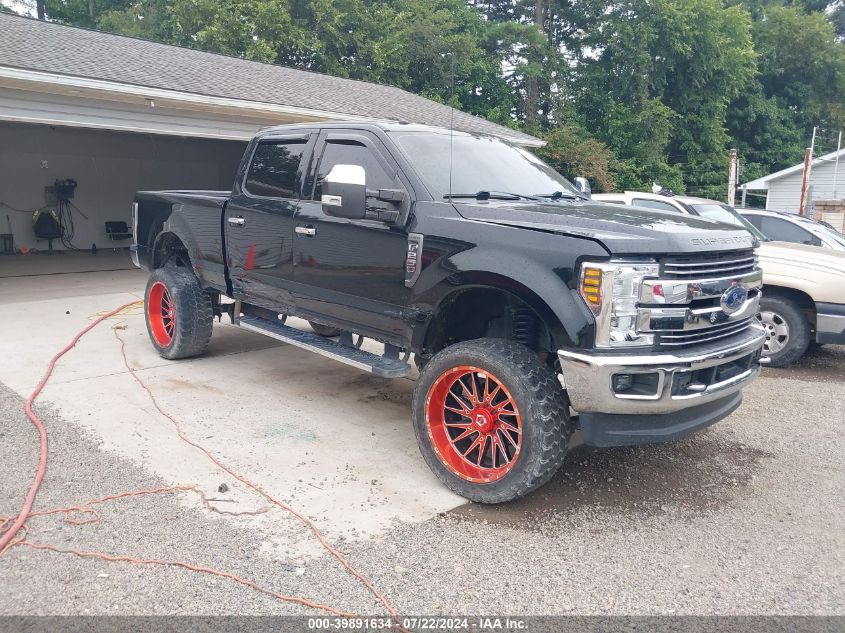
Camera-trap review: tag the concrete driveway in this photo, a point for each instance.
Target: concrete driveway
(743, 518)
(335, 440)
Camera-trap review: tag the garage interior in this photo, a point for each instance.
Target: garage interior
(108, 167)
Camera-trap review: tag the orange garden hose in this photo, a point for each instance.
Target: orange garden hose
(90, 515)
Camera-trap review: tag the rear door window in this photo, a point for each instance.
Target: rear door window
(274, 171)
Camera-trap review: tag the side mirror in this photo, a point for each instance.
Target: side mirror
(344, 192)
(583, 186)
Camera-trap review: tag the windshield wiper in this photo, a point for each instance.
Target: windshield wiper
(494, 195)
(560, 195)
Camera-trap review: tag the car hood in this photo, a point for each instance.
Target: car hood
(800, 257)
(623, 230)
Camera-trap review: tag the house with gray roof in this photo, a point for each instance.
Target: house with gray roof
(119, 114)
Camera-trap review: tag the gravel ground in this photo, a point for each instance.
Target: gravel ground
(745, 518)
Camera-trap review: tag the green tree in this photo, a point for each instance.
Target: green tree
(572, 152)
(658, 89)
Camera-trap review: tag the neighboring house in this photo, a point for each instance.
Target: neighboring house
(118, 114)
(783, 188)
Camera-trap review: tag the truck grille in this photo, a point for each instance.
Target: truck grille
(700, 319)
(733, 264)
(704, 335)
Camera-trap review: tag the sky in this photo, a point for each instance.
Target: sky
(24, 7)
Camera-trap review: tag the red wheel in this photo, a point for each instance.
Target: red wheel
(178, 312)
(490, 419)
(161, 314)
(474, 424)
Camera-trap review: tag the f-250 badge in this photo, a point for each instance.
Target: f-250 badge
(412, 258)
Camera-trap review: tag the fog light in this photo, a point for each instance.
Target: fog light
(622, 382)
(640, 384)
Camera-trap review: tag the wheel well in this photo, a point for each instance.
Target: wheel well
(801, 299)
(479, 312)
(168, 247)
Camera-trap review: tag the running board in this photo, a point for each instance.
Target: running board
(377, 365)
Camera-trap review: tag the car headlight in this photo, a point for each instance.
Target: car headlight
(611, 291)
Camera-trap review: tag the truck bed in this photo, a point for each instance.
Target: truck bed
(193, 216)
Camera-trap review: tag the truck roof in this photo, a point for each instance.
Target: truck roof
(385, 126)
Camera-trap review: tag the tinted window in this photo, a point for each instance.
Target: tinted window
(654, 204)
(354, 153)
(785, 231)
(274, 168)
(756, 220)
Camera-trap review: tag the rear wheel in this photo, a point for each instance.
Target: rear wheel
(787, 331)
(178, 313)
(491, 420)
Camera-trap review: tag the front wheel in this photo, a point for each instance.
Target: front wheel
(178, 313)
(787, 331)
(491, 420)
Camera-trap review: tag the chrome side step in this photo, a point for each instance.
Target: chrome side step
(377, 365)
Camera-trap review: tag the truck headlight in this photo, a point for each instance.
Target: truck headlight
(611, 291)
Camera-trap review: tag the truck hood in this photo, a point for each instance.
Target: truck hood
(798, 259)
(623, 230)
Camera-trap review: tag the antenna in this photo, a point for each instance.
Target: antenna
(451, 119)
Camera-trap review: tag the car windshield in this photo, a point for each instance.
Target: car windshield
(728, 215)
(822, 230)
(480, 164)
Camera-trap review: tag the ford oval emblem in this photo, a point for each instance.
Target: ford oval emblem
(733, 299)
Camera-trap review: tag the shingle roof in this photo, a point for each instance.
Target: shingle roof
(48, 47)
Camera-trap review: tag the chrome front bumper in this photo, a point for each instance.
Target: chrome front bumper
(677, 378)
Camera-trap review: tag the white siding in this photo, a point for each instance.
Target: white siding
(785, 192)
(109, 167)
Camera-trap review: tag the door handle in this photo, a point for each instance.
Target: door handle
(307, 231)
(239, 221)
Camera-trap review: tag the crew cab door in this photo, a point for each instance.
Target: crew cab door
(353, 271)
(258, 220)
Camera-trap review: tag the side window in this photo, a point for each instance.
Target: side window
(756, 220)
(785, 231)
(654, 204)
(346, 152)
(274, 167)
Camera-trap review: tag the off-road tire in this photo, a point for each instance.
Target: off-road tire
(324, 330)
(541, 403)
(799, 330)
(192, 316)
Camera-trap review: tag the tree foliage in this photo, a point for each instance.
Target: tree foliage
(626, 93)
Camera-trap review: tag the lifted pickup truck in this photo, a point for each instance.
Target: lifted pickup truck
(531, 311)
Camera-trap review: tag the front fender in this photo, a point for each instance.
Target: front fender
(540, 268)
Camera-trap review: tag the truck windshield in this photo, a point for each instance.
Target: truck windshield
(480, 164)
(728, 215)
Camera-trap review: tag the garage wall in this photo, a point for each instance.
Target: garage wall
(109, 167)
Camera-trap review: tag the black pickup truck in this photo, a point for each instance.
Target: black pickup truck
(531, 312)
